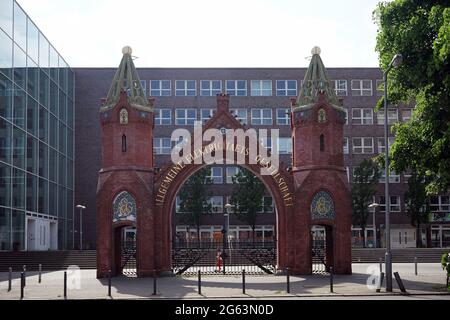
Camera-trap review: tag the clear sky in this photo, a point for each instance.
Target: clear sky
(209, 33)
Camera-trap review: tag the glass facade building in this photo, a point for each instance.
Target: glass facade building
(36, 137)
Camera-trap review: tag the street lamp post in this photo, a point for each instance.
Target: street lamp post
(396, 62)
(226, 228)
(81, 224)
(374, 206)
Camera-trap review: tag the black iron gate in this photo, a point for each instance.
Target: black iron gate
(211, 258)
(319, 256)
(129, 258)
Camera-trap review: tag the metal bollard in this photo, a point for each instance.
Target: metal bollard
(9, 279)
(331, 279)
(65, 284)
(399, 282)
(154, 283)
(415, 265)
(381, 265)
(22, 285)
(109, 283)
(24, 268)
(40, 271)
(380, 284)
(243, 281)
(199, 282)
(288, 281)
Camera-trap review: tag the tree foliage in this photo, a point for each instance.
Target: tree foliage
(247, 197)
(420, 31)
(194, 199)
(365, 180)
(417, 204)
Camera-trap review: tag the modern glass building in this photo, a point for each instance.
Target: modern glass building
(36, 137)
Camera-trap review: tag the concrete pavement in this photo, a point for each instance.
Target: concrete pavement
(428, 284)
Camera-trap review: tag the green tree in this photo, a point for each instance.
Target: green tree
(417, 204)
(420, 31)
(365, 180)
(247, 198)
(194, 199)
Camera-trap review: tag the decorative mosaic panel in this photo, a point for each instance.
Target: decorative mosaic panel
(322, 206)
(124, 207)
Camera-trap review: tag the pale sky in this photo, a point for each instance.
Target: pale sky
(209, 33)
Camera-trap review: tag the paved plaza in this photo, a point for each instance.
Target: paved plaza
(429, 283)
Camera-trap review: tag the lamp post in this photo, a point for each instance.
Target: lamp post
(81, 224)
(226, 227)
(374, 206)
(396, 62)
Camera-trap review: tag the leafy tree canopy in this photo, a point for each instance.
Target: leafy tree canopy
(420, 31)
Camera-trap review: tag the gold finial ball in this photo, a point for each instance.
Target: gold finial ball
(316, 50)
(127, 50)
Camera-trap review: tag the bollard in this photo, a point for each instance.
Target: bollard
(24, 275)
(65, 284)
(243, 281)
(415, 265)
(199, 282)
(399, 282)
(109, 284)
(380, 284)
(288, 284)
(22, 285)
(154, 283)
(331, 279)
(381, 265)
(40, 271)
(9, 279)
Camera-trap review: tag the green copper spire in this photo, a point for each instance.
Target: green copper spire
(316, 81)
(127, 80)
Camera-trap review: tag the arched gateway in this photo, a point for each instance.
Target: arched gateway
(313, 190)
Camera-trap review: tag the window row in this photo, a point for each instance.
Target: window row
(218, 206)
(258, 88)
(393, 177)
(365, 145)
(188, 116)
(164, 146)
(365, 116)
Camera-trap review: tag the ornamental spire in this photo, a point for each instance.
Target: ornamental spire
(126, 80)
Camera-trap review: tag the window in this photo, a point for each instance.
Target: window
(186, 116)
(346, 116)
(284, 145)
(216, 203)
(394, 204)
(216, 175)
(163, 116)
(124, 143)
(241, 115)
(261, 88)
(160, 88)
(392, 116)
(340, 87)
(380, 87)
(162, 146)
(440, 203)
(287, 88)
(322, 143)
(346, 149)
(361, 116)
(406, 115)
(262, 117)
(347, 170)
(381, 144)
(206, 114)
(362, 145)
(266, 205)
(231, 172)
(237, 88)
(283, 117)
(210, 88)
(266, 143)
(362, 87)
(393, 177)
(185, 88)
